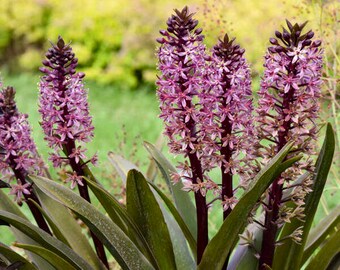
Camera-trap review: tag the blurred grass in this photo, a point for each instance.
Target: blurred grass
(122, 119)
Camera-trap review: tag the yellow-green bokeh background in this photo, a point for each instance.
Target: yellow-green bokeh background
(115, 39)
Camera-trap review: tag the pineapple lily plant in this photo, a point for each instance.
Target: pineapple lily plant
(254, 159)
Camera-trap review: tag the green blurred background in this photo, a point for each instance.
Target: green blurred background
(115, 44)
(115, 40)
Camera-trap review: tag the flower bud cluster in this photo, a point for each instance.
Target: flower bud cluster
(63, 106)
(18, 156)
(226, 113)
(181, 63)
(205, 102)
(288, 98)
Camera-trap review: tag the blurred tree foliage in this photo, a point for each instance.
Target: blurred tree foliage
(254, 22)
(115, 40)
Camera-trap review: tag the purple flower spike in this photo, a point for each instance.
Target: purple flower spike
(226, 113)
(63, 105)
(181, 63)
(66, 120)
(18, 156)
(181, 58)
(288, 108)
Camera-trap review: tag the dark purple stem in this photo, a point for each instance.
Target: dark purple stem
(70, 145)
(197, 173)
(227, 177)
(84, 193)
(39, 218)
(200, 200)
(201, 208)
(275, 197)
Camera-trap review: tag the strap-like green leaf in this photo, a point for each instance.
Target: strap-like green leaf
(8, 205)
(55, 229)
(289, 255)
(13, 257)
(182, 199)
(183, 257)
(191, 240)
(121, 165)
(143, 208)
(55, 260)
(116, 241)
(46, 240)
(120, 217)
(327, 252)
(244, 256)
(318, 234)
(221, 244)
(64, 226)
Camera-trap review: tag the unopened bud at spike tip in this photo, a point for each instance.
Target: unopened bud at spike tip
(60, 43)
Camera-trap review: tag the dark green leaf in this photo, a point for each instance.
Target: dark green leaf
(14, 257)
(66, 228)
(221, 244)
(46, 240)
(326, 253)
(191, 240)
(143, 208)
(289, 255)
(8, 205)
(327, 226)
(182, 199)
(55, 229)
(183, 257)
(120, 217)
(58, 262)
(116, 241)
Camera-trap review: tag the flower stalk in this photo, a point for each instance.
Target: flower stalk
(66, 119)
(288, 105)
(19, 157)
(227, 117)
(181, 61)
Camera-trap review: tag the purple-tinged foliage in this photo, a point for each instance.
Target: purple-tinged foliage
(63, 106)
(288, 108)
(19, 155)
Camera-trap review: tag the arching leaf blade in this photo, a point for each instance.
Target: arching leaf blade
(117, 242)
(290, 254)
(55, 260)
(143, 208)
(68, 228)
(221, 244)
(46, 240)
(13, 257)
(181, 198)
